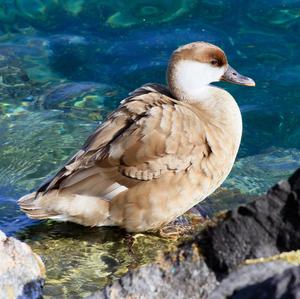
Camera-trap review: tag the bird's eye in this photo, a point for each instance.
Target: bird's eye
(214, 62)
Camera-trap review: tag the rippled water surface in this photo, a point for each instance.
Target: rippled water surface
(65, 64)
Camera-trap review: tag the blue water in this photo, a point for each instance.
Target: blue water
(65, 64)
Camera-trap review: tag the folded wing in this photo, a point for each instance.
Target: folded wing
(148, 135)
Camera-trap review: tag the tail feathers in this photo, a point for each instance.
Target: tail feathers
(28, 205)
(82, 209)
(27, 199)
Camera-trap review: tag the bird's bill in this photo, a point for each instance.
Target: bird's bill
(232, 76)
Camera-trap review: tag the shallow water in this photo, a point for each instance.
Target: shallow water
(65, 64)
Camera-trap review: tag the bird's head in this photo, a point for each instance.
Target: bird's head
(197, 64)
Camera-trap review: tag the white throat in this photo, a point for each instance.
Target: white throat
(191, 78)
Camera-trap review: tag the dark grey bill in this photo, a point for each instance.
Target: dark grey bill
(231, 75)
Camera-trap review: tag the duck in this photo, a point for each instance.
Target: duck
(161, 152)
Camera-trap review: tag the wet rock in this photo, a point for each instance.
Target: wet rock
(188, 278)
(262, 228)
(282, 285)
(21, 271)
(234, 284)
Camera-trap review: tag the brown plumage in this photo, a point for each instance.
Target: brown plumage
(151, 160)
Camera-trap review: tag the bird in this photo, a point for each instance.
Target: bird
(162, 151)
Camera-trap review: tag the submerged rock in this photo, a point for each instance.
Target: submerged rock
(88, 100)
(276, 14)
(136, 12)
(14, 82)
(21, 271)
(76, 94)
(54, 15)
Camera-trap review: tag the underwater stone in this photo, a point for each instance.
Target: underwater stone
(43, 14)
(275, 13)
(14, 83)
(149, 12)
(85, 99)
(50, 15)
(64, 93)
(21, 272)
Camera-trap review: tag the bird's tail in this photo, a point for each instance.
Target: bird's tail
(63, 206)
(28, 205)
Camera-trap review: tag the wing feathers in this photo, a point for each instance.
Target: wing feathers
(149, 134)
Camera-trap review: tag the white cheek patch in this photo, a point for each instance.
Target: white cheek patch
(191, 74)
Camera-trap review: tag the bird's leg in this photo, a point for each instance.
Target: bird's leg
(184, 225)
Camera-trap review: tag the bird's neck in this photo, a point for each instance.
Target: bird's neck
(190, 83)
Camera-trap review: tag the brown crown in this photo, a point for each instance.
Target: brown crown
(202, 52)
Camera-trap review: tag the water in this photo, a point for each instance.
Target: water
(65, 64)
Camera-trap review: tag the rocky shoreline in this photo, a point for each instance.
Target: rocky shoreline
(213, 264)
(249, 252)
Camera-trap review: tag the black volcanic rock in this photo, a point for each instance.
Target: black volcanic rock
(267, 226)
(285, 285)
(251, 275)
(264, 227)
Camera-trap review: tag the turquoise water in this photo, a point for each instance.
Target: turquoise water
(65, 64)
